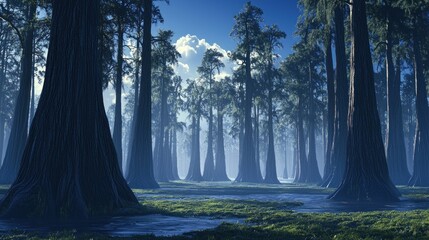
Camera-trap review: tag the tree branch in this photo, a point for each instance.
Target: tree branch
(9, 21)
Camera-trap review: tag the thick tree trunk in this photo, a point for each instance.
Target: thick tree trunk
(194, 173)
(18, 135)
(396, 155)
(3, 49)
(313, 174)
(69, 167)
(160, 156)
(208, 173)
(140, 174)
(271, 170)
(285, 169)
(136, 95)
(33, 79)
(247, 171)
(220, 166)
(331, 108)
(174, 169)
(338, 153)
(117, 127)
(302, 164)
(256, 141)
(366, 177)
(420, 175)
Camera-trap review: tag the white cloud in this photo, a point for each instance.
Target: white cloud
(192, 50)
(184, 45)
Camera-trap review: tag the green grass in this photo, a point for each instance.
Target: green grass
(267, 219)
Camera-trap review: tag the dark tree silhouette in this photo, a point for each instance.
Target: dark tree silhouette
(69, 167)
(420, 175)
(366, 177)
(271, 36)
(18, 134)
(210, 64)
(338, 153)
(247, 30)
(117, 127)
(140, 173)
(222, 99)
(395, 144)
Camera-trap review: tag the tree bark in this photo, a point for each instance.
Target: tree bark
(174, 154)
(117, 127)
(366, 177)
(313, 174)
(140, 174)
(338, 153)
(271, 172)
(285, 171)
(161, 158)
(136, 92)
(220, 166)
(19, 130)
(420, 175)
(302, 164)
(331, 108)
(194, 173)
(69, 167)
(247, 171)
(208, 173)
(395, 145)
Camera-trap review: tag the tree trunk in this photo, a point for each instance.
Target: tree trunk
(256, 142)
(301, 167)
(331, 108)
(160, 157)
(247, 171)
(208, 173)
(420, 175)
(270, 170)
(174, 169)
(33, 79)
(194, 173)
(3, 49)
(396, 155)
(69, 167)
(117, 128)
(338, 153)
(285, 171)
(220, 166)
(313, 174)
(141, 163)
(366, 177)
(18, 135)
(136, 94)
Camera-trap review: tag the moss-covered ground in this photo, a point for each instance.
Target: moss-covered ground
(266, 219)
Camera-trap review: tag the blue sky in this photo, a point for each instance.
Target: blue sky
(213, 19)
(202, 24)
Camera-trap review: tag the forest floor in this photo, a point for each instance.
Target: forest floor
(184, 210)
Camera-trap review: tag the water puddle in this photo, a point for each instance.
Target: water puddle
(158, 225)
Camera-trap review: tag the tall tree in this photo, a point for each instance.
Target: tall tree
(120, 13)
(366, 177)
(210, 64)
(222, 90)
(69, 167)
(338, 152)
(140, 173)
(164, 55)
(271, 37)
(18, 135)
(421, 139)
(193, 104)
(247, 30)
